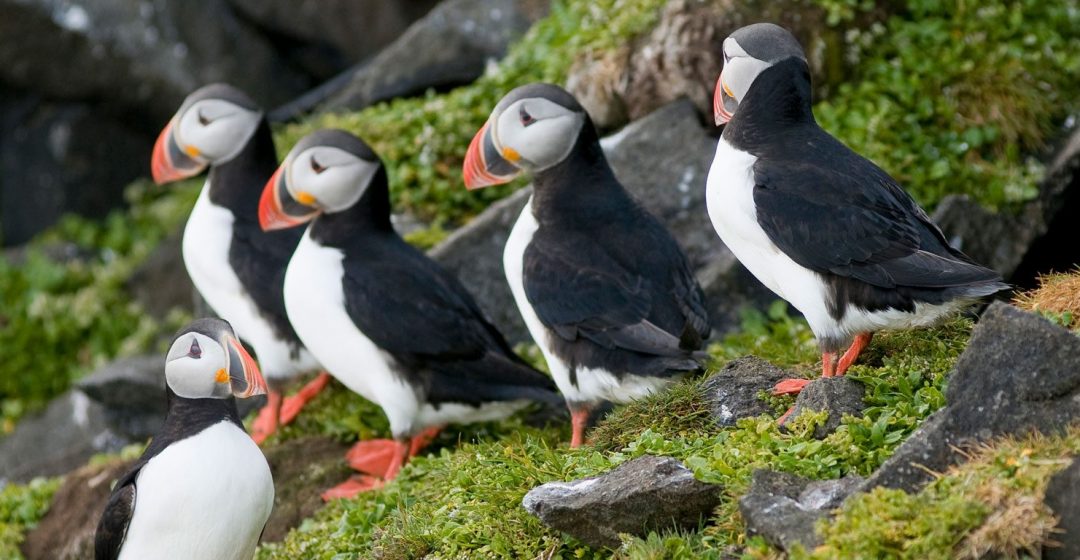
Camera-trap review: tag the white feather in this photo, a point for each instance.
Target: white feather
(206, 496)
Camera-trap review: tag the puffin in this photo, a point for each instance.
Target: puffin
(202, 488)
(384, 319)
(604, 289)
(237, 267)
(819, 225)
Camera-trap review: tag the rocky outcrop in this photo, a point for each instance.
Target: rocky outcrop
(836, 395)
(645, 494)
(1018, 374)
(783, 508)
(663, 161)
(161, 283)
(1063, 497)
(734, 392)
(131, 392)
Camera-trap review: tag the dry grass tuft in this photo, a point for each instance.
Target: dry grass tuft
(1058, 297)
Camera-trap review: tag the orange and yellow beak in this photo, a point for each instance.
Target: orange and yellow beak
(484, 165)
(244, 376)
(724, 102)
(278, 209)
(170, 162)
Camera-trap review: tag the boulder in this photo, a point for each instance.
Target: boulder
(161, 283)
(450, 46)
(733, 392)
(1018, 374)
(645, 494)
(783, 508)
(131, 392)
(60, 438)
(1063, 497)
(836, 395)
(663, 161)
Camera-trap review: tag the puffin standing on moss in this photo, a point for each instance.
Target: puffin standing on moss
(385, 320)
(604, 289)
(202, 489)
(237, 268)
(819, 225)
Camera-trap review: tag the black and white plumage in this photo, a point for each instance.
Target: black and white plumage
(202, 489)
(237, 267)
(603, 287)
(383, 318)
(821, 226)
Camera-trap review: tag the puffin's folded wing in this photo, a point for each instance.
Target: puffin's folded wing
(113, 526)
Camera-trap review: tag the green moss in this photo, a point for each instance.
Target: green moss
(62, 319)
(423, 140)
(21, 506)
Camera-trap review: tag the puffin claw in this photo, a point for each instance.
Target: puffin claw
(352, 487)
(267, 422)
(790, 387)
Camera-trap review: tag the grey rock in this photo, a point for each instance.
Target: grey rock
(641, 495)
(60, 438)
(1018, 374)
(161, 283)
(1063, 497)
(733, 392)
(837, 395)
(449, 46)
(132, 394)
(663, 161)
(783, 508)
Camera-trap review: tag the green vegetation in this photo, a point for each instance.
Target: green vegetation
(61, 318)
(21, 506)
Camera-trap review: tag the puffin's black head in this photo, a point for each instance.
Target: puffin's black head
(533, 128)
(747, 52)
(327, 171)
(213, 124)
(206, 360)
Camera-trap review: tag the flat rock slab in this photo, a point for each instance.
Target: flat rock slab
(783, 508)
(1063, 497)
(1019, 373)
(132, 394)
(641, 495)
(836, 395)
(733, 392)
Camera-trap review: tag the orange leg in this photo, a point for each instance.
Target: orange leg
(292, 405)
(266, 423)
(849, 357)
(389, 454)
(790, 387)
(828, 364)
(579, 419)
(355, 485)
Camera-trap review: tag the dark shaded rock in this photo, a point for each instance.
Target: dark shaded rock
(161, 283)
(732, 392)
(60, 438)
(132, 394)
(1018, 374)
(327, 36)
(663, 160)
(1040, 236)
(449, 46)
(837, 395)
(1063, 497)
(67, 530)
(303, 469)
(783, 508)
(641, 495)
(52, 161)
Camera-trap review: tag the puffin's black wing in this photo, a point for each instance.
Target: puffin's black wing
(113, 526)
(259, 260)
(413, 309)
(578, 290)
(839, 213)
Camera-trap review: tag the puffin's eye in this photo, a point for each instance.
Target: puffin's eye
(202, 118)
(316, 167)
(194, 351)
(526, 118)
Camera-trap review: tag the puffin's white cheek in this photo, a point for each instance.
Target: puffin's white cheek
(190, 378)
(548, 142)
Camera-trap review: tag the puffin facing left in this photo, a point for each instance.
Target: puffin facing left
(237, 267)
(202, 489)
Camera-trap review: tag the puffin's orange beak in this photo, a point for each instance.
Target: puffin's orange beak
(169, 162)
(484, 165)
(277, 209)
(723, 97)
(244, 375)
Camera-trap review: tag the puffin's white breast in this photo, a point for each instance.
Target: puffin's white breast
(206, 243)
(206, 496)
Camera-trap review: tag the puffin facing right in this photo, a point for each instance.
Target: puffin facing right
(819, 225)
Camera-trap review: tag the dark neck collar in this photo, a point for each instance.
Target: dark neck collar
(187, 417)
(582, 182)
(777, 101)
(369, 214)
(238, 183)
